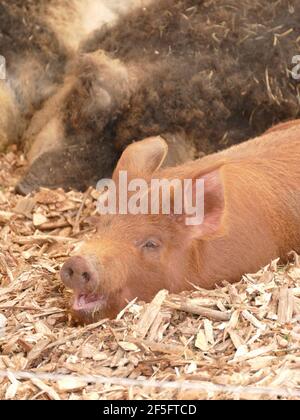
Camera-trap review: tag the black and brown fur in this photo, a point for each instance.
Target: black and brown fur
(212, 73)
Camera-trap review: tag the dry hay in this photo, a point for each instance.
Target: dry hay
(246, 334)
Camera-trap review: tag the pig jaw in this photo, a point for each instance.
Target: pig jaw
(103, 307)
(87, 309)
(88, 303)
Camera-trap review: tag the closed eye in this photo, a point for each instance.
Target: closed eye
(151, 244)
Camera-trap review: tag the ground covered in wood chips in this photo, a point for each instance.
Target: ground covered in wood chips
(247, 334)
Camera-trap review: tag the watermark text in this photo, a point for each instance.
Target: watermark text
(159, 196)
(296, 68)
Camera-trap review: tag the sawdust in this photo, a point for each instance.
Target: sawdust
(246, 334)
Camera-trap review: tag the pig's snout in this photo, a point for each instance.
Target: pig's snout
(78, 273)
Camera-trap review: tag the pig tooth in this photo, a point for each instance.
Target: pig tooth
(81, 300)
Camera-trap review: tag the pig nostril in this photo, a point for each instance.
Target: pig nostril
(86, 276)
(70, 272)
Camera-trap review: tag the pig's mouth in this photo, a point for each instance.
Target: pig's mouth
(88, 302)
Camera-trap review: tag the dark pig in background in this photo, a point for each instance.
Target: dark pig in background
(209, 74)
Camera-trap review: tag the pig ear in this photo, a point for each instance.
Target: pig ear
(143, 157)
(209, 221)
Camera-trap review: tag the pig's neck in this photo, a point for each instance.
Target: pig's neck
(208, 263)
(186, 269)
(229, 258)
(200, 267)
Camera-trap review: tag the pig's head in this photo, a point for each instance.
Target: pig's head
(137, 255)
(70, 140)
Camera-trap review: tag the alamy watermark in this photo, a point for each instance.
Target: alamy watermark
(2, 68)
(159, 196)
(296, 68)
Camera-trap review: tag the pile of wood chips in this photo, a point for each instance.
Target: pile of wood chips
(247, 334)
